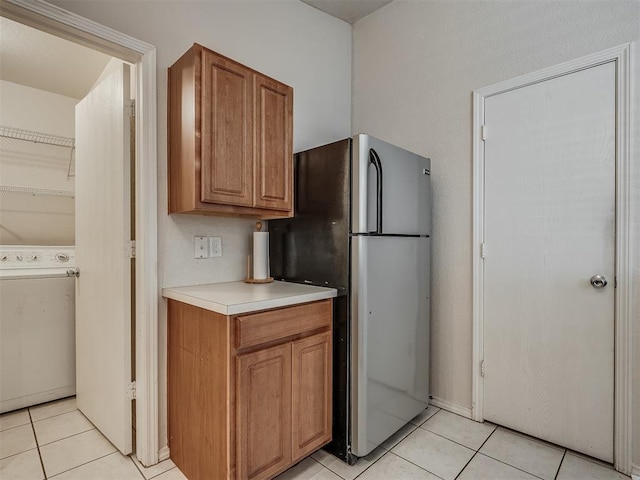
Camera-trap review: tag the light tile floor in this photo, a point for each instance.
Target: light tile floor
(56, 440)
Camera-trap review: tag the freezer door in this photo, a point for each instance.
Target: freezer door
(313, 247)
(390, 336)
(391, 189)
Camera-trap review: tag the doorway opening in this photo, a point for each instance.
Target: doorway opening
(60, 23)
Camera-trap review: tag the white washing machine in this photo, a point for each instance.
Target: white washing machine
(37, 325)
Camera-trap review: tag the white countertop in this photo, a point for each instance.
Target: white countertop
(239, 297)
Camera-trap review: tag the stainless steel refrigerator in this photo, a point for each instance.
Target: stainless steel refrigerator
(362, 225)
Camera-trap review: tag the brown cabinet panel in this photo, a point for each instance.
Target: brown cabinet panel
(227, 131)
(247, 416)
(183, 115)
(230, 136)
(274, 129)
(311, 394)
(262, 327)
(199, 348)
(264, 412)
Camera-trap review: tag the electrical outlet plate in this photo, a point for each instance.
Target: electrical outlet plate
(200, 247)
(215, 246)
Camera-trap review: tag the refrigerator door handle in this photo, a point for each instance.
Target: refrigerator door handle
(375, 160)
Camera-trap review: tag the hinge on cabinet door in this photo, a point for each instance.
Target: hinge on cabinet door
(132, 249)
(131, 390)
(483, 250)
(482, 368)
(484, 132)
(615, 282)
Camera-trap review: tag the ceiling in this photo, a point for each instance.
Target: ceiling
(348, 10)
(39, 60)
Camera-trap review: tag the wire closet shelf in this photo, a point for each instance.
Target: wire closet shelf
(45, 138)
(37, 137)
(36, 191)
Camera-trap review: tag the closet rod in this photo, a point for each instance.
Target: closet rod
(37, 137)
(37, 191)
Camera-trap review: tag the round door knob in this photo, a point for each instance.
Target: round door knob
(598, 281)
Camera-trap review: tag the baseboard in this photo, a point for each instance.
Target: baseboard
(163, 454)
(635, 472)
(451, 407)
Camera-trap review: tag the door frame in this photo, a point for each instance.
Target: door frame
(622, 298)
(62, 23)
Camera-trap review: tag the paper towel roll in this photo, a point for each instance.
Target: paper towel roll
(260, 255)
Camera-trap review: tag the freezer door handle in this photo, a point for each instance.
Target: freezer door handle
(375, 160)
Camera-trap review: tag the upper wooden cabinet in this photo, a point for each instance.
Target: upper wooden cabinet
(230, 133)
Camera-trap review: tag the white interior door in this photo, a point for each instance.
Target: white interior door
(549, 228)
(103, 288)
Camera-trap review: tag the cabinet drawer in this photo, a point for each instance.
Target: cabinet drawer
(263, 327)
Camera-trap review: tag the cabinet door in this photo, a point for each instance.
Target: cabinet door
(264, 412)
(227, 131)
(311, 398)
(274, 144)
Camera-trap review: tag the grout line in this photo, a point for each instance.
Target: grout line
(487, 439)
(409, 461)
(512, 466)
(597, 461)
(172, 468)
(426, 419)
(373, 463)
(526, 436)
(457, 443)
(560, 465)
(35, 437)
(454, 413)
(82, 464)
(69, 436)
(325, 467)
(74, 435)
(336, 473)
(136, 465)
(429, 418)
(476, 452)
(466, 464)
(415, 427)
(551, 445)
(51, 402)
(488, 456)
(15, 426)
(351, 466)
(495, 427)
(53, 416)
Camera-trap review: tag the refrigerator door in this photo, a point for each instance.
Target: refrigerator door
(313, 247)
(390, 336)
(391, 189)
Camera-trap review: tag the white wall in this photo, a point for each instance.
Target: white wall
(26, 219)
(285, 39)
(415, 67)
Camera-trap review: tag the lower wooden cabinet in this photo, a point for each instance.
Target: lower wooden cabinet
(311, 394)
(264, 412)
(245, 410)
